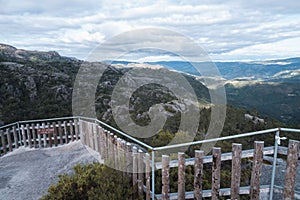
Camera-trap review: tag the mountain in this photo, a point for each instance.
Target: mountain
(36, 84)
(263, 70)
(271, 87)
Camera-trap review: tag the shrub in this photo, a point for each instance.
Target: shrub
(92, 181)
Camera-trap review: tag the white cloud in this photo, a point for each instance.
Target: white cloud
(224, 30)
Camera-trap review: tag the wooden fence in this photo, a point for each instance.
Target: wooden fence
(116, 151)
(38, 134)
(135, 161)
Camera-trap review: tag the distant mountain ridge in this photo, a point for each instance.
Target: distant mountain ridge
(254, 70)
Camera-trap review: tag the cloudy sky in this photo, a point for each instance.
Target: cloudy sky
(239, 30)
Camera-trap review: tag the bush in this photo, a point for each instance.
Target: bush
(92, 181)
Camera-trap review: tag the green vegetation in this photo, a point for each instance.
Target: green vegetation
(92, 181)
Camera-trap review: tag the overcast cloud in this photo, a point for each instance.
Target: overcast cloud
(239, 30)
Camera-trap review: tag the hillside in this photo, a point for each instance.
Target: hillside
(42, 88)
(270, 87)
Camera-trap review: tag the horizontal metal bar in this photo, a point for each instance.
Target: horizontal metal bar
(216, 139)
(8, 125)
(223, 192)
(119, 132)
(49, 119)
(290, 130)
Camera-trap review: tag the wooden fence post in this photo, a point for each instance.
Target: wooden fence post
(9, 139)
(60, 133)
(71, 130)
(291, 169)
(23, 135)
(55, 134)
(76, 125)
(28, 135)
(33, 134)
(181, 176)
(99, 139)
(16, 137)
(236, 171)
(198, 169)
(66, 132)
(3, 142)
(256, 170)
(45, 136)
(39, 137)
(134, 168)
(216, 172)
(147, 174)
(165, 177)
(49, 134)
(128, 159)
(141, 170)
(95, 137)
(115, 147)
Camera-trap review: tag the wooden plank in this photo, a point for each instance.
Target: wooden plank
(141, 170)
(60, 133)
(55, 133)
(165, 177)
(24, 135)
(82, 139)
(147, 176)
(95, 133)
(16, 140)
(33, 134)
(128, 159)
(216, 172)
(39, 137)
(112, 149)
(3, 141)
(49, 135)
(236, 171)
(256, 170)
(198, 171)
(134, 169)
(72, 134)
(76, 129)
(224, 157)
(66, 132)
(9, 139)
(44, 135)
(291, 169)
(99, 140)
(28, 135)
(181, 176)
(115, 143)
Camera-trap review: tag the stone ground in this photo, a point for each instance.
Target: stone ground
(27, 173)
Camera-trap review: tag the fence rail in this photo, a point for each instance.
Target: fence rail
(137, 159)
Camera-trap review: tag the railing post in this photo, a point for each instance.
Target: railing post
(276, 143)
(153, 174)
(181, 176)
(236, 171)
(165, 177)
(291, 169)
(256, 170)
(216, 172)
(198, 167)
(147, 174)
(141, 170)
(19, 132)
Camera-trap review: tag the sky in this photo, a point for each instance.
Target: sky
(225, 30)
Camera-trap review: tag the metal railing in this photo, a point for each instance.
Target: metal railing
(17, 128)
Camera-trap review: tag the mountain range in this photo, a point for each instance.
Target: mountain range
(35, 84)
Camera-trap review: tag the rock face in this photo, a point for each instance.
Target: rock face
(37, 84)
